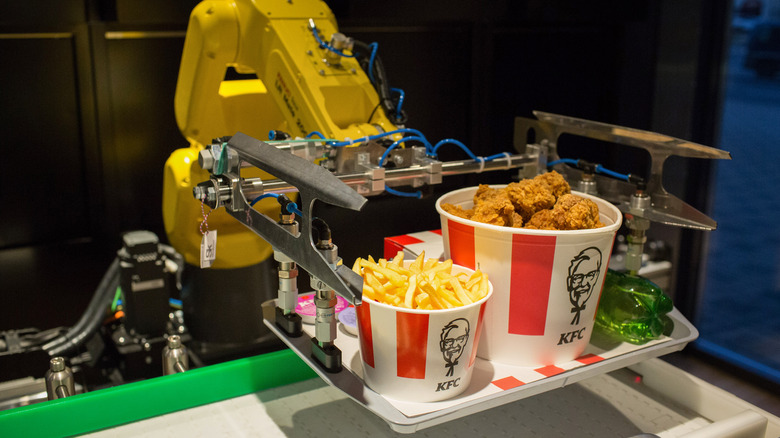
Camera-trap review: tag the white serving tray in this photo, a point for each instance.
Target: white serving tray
(493, 384)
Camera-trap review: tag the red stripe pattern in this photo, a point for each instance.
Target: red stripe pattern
(532, 264)
(589, 358)
(461, 239)
(478, 333)
(549, 371)
(507, 383)
(411, 337)
(397, 243)
(366, 337)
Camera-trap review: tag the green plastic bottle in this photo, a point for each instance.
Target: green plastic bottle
(633, 308)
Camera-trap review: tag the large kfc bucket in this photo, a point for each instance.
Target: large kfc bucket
(547, 284)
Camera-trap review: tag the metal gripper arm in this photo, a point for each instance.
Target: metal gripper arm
(313, 183)
(660, 206)
(292, 242)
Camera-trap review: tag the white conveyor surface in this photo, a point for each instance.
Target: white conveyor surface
(651, 397)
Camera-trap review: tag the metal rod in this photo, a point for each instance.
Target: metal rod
(62, 391)
(396, 175)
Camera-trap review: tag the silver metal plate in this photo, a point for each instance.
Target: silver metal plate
(351, 383)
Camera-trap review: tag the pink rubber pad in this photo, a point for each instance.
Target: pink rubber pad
(308, 310)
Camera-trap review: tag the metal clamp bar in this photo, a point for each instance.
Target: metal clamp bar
(314, 183)
(396, 176)
(665, 208)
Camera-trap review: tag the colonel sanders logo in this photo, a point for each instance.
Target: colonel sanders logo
(583, 277)
(454, 337)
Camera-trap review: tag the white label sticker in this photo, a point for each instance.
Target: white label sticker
(208, 248)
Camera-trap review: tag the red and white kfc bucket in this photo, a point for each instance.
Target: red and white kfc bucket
(547, 283)
(420, 355)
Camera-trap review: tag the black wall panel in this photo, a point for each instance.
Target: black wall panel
(139, 125)
(42, 169)
(88, 121)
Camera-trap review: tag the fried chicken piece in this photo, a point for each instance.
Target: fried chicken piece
(580, 215)
(544, 202)
(517, 220)
(541, 220)
(555, 182)
(529, 196)
(485, 192)
(458, 211)
(492, 206)
(571, 212)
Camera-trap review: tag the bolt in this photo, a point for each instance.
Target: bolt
(206, 159)
(174, 341)
(57, 364)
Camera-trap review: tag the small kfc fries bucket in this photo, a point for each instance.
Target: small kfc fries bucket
(547, 282)
(420, 355)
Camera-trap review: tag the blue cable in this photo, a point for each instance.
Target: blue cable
(611, 173)
(293, 208)
(393, 146)
(327, 46)
(496, 156)
(315, 133)
(571, 161)
(428, 146)
(599, 168)
(467, 150)
(263, 196)
(400, 100)
(456, 143)
(417, 194)
(374, 47)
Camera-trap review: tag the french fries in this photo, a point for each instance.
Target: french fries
(423, 284)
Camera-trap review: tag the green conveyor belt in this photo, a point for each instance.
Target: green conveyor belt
(110, 407)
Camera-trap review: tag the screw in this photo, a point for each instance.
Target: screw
(57, 364)
(174, 341)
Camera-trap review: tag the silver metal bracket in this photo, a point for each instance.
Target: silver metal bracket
(664, 207)
(313, 182)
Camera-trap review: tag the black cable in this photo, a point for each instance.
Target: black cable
(95, 305)
(95, 313)
(40, 337)
(322, 231)
(93, 316)
(373, 112)
(380, 84)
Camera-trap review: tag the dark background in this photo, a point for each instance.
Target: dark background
(87, 121)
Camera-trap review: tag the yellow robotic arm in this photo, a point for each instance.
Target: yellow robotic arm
(301, 87)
